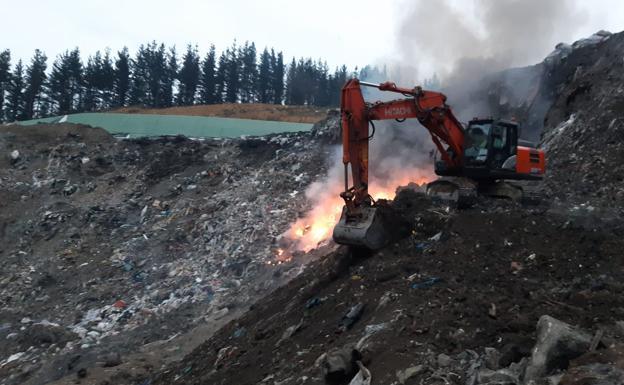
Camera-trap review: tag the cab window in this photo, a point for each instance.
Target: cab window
(499, 137)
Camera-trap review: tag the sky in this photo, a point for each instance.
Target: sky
(351, 32)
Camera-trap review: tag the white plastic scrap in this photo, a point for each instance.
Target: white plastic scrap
(436, 237)
(363, 377)
(14, 357)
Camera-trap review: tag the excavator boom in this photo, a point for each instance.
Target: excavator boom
(427, 106)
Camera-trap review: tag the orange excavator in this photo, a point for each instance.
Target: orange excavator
(476, 159)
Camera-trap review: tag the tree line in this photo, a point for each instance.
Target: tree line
(156, 77)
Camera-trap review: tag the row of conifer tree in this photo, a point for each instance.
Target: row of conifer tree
(156, 76)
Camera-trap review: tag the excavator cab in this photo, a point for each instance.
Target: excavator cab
(490, 142)
(492, 151)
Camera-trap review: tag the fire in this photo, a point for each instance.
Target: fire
(316, 227)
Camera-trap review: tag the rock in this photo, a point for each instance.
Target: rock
(69, 190)
(557, 343)
(491, 358)
(507, 376)
(339, 365)
(514, 352)
(40, 334)
(444, 360)
(81, 373)
(497, 377)
(289, 332)
(406, 374)
(111, 360)
(594, 374)
(329, 128)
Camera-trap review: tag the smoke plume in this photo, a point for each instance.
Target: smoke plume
(483, 35)
(465, 42)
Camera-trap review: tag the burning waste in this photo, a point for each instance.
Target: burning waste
(315, 228)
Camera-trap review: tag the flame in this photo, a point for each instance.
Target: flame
(316, 227)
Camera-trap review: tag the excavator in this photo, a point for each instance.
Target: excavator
(476, 159)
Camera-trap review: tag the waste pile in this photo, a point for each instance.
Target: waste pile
(109, 245)
(497, 293)
(584, 130)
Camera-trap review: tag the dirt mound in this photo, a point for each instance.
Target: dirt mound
(584, 130)
(258, 111)
(482, 280)
(458, 302)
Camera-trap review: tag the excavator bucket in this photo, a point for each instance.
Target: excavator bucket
(365, 229)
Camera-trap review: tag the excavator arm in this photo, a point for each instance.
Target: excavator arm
(427, 106)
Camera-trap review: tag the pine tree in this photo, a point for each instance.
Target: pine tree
(189, 77)
(323, 96)
(207, 85)
(291, 79)
(277, 74)
(248, 72)
(106, 81)
(92, 70)
(75, 69)
(220, 80)
(139, 90)
(264, 78)
(121, 82)
(152, 81)
(15, 98)
(65, 83)
(232, 79)
(5, 77)
(35, 81)
(170, 77)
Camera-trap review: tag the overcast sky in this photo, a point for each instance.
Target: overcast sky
(354, 32)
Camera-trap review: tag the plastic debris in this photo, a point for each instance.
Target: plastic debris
(426, 283)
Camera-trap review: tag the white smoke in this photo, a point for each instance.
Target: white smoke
(482, 36)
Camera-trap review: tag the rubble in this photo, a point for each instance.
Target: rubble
(122, 243)
(557, 344)
(445, 333)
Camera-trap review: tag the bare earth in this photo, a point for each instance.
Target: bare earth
(259, 111)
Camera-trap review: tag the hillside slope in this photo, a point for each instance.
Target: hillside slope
(461, 301)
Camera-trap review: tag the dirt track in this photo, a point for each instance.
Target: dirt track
(295, 114)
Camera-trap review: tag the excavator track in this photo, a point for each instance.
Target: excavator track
(464, 192)
(458, 191)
